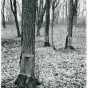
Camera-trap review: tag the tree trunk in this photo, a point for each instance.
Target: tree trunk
(75, 7)
(52, 24)
(66, 8)
(40, 19)
(68, 43)
(17, 25)
(38, 29)
(14, 11)
(3, 16)
(26, 78)
(40, 8)
(46, 43)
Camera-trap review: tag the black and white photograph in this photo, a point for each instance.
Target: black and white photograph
(43, 43)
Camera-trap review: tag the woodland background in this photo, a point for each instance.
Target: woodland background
(55, 66)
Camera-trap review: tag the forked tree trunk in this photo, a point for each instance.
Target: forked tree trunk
(14, 11)
(46, 43)
(3, 16)
(40, 19)
(68, 43)
(26, 78)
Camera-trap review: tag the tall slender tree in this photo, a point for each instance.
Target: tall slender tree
(3, 15)
(66, 8)
(75, 8)
(53, 8)
(46, 43)
(40, 12)
(68, 43)
(26, 78)
(72, 18)
(54, 5)
(14, 11)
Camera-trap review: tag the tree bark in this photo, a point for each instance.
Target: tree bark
(3, 16)
(14, 11)
(40, 19)
(17, 26)
(46, 43)
(52, 23)
(68, 43)
(26, 78)
(75, 8)
(54, 5)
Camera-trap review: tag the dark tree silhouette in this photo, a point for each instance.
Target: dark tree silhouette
(54, 5)
(3, 16)
(75, 8)
(40, 12)
(14, 11)
(72, 17)
(68, 43)
(46, 43)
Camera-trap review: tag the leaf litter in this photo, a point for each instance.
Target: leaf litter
(56, 69)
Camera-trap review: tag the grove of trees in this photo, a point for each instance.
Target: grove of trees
(13, 5)
(34, 12)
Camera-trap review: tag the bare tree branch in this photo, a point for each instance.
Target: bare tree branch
(11, 5)
(57, 3)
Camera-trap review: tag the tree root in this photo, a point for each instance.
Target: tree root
(24, 81)
(70, 47)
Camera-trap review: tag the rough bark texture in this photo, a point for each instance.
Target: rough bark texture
(3, 16)
(68, 43)
(26, 78)
(14, 11)
(47, 23)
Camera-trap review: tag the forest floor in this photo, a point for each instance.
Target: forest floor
(55, 68)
